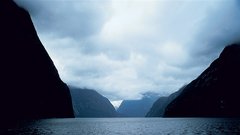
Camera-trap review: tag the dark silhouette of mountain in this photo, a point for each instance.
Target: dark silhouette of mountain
(30, 84)
(89, 103)
(158, 108)
(137, 108)
(215, 93)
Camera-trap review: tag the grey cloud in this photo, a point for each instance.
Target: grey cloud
(122, 53)
(219, 28)
(76, 19)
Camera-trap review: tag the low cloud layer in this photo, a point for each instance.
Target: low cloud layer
(123, 48)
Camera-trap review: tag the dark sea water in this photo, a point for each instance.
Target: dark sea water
(130, 126)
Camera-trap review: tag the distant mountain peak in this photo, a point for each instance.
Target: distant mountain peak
(137, 108)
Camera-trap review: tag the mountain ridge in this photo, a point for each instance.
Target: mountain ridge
(89, 103)
(137, 108)
(214, 93)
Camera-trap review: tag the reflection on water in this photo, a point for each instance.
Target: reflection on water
(130, 126)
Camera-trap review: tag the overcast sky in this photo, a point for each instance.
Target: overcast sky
(123, 48)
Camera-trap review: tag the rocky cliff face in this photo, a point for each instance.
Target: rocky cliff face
(89, 103)
(215, 93)
(30, 84)
(137, 108)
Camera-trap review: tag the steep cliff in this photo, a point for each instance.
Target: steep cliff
(215, 93)
(30, 84)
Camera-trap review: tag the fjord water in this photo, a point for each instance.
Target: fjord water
(131, 126)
